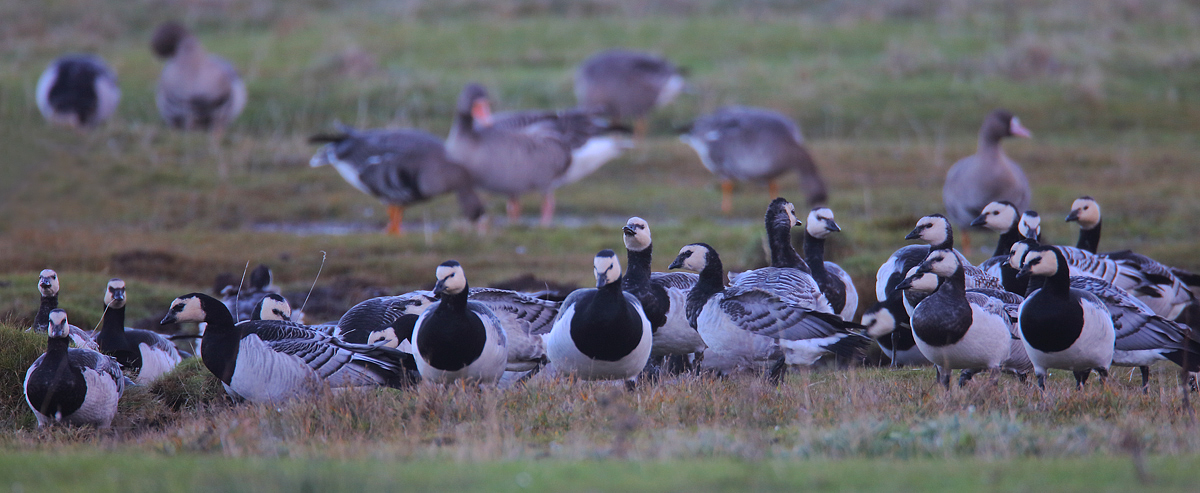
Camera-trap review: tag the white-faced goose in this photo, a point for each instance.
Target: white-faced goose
(754, 144)
(1002, 217)
(936, 230)
(72, 385)
(274, 361)
(48, 287)
(627, 84)
(398, 167)
(834, 281)
(887, 322)
(197, 90)
(1064, 327)
(663, 294)
(78, 91)
(1086, 212)
(272, 307)
(775, 315)
(988, 175)
(601, 333)
(458, 339)
(957, 328)
(148, 353)
(530, 151)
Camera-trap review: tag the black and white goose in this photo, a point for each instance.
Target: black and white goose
(48, 287)
(601, 333)
(78, 91)
(274, 361)
(834, 281)
(458, 339)
(148, 353)
(389, 319)
(1004, 218)
(936, 230)
(243, 302)
(272, 307)
(775, 315)
(663, 294)
(1064, 327)
(72, 385)
(956, 328)
(1085, 211)
(888, 323)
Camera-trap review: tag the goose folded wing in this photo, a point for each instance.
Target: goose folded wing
(792, 286)
(512, 307)
(765, 314)
(99, 362)
(675, 280)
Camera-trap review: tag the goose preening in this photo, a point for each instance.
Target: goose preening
(48, 287)
(458, 339)
(754, 144)
(663, 295)
(529, 151)
(627, 84)
(935, 229)
(197, 90)
(398, 167)
(1064, 327)
(834, 281)
(888, 323)
(988, 175)
(390, 319)
(78, 91)
(148, 353)
(72, 385)
(775, 315)
(274, 361)
(601, 333)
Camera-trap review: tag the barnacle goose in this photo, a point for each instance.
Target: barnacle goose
(274, 361)
(663, 295)
(1086, 212)
(833, 280)
(1064, 327)
(888, 323)
(935, 230)
(455, 338)
(148, 353)
(775, 315)
(272, 307)
(72, 385)
(48, 287)
(78, 91)
(1004, 218)
(601, 333)
(241, 301)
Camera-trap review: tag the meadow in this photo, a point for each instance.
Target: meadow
(889, 95)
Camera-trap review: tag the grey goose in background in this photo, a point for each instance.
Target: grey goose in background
(988, 175)
(148, 353)
(72, 385)
(197, 90)
(663, 295)
(78, 91)
(833, 280)
(626, 85)
(529, 151)
(399, 167)
(741, 143)
(271, 361)
(601, 333)
(455, 338)
(48, 287)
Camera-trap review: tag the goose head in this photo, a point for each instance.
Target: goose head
(606, 267)
(1016, 254)
(1000, 124)
(450, 278)
(942, 263)
(58, 327)
(694, 257)
(781, 215)
(879, 321)
(821, 223)
(473, 100)
(272, 307)
(260, 278)
(167, 38)
(919, 281)
(1031, 225)
(637, 234)
(1042, 261)
(190, 308)
(1085, 211)
(999, 216)
(48, 282)
(114, 294)
(933, 229)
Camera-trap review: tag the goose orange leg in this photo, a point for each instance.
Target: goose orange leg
(547, 209)
(772, 189)
(514, 210)
(395, 218)
(640, 128)
(726, 196)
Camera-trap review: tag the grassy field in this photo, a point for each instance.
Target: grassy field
(889, 95)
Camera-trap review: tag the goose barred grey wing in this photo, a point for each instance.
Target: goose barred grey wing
(796, 288)
(1152, 282)
(99, 362)
(1136, 325)
(675, 280)
(764, 313)
(1085, 263)
(512, 307)
(976, 278)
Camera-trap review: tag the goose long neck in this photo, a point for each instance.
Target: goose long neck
(457, 301)
(957, 282)
(42, 320)
(708, 284)
(112, 329)
(222, 340)
(1007, 239)
(639, 263)
(814, 255)
(1089, 239)
(783, 254)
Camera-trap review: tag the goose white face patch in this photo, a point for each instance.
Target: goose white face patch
(1043, 263)
(452, 278)
(114, 294)
(935, 230)
(879, 323)
(925, 282)
(607, 269)
(640, 239)
(58, 326)
(1030, 226)
(818, 222)
(188, 310)
(274, 307)
(1086, 212)
(693, 258)
(790, 209)
(942, 263)
(999, 216)
(48, 282)
(1016, 256)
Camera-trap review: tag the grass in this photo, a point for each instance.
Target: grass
(889, 96)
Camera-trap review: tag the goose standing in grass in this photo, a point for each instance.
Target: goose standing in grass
(936, 230)
(833, 280)
(601, 333)
(148, 353)
(988, 175)
(1064, 327)
(775, 315)
(197, 90)
(663, 295)
(458, 339)
(48, 287)
(72, 385)
(530, 151)
(627, 84)
(78, 91)
(273, 361)
(754, 144)
(956, 328)
(398, 167)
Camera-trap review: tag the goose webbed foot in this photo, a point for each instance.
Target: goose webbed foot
(1081, 378)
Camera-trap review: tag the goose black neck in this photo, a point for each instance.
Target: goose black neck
(222, 339)
(783, 254)
(814, 255)
(112, 329)
(42, 320)
(457, 301)
(57, 346)
(708, 284)
(1060, 282)
(957, 282)
(1007, 239)
(639, 262)
(1089, 239)
(1010, 281)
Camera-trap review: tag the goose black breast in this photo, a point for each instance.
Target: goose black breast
(606, 327)
(55, 388)
(942, 322)
(75, 89)
(1055, 326)
(450, 341)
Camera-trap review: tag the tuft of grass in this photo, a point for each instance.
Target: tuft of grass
(18, 350)
(189, 387)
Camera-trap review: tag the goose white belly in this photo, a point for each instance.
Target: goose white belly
(906, 357)
(1092, 349)
(155, 363)
(677, 336)
(1142, 357)
(985, 345)
(730, 347)
(99, 402)
(567, 358)
(265, 375)
(590, 157)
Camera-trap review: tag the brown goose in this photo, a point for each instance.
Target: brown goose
(988, 175)
(398, 167)
(627, 84)
(197, 90)
(520, 152)
(754, 144)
